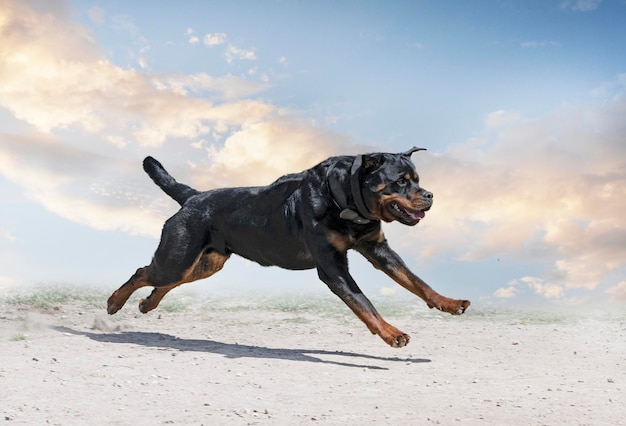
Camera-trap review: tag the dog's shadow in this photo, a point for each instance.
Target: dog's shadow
(234, 350)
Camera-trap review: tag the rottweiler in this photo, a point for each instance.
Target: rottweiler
(301, 221)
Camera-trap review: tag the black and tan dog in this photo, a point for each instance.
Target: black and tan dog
(302, 221)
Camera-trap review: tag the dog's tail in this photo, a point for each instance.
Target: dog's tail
(178, 191)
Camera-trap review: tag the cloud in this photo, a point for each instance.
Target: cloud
(417, 45)
(547, 290)
(55, 77)
(234, 52)
(580, 5)
(540, 44)
(96, 14)
(501, 119)
(91, 122)
(193, 39)
(72, 184)
(125, 24)
(506, 292)
(214, 39)
(618, 292)
(6, 281)
(549, 191)
(388, 291)
(271, 149)
(536, 284)
(227, 87)
(6, 235)
(612, 89)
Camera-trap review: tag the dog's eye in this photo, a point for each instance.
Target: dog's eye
(401, 182)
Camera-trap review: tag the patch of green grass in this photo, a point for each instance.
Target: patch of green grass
(314, 305)
(523, 315)
(298, 320)
(18, 337)
(174, 306)
(288, 305)
(392, 307)
(303, 305)
(44, 299)
(48, 297)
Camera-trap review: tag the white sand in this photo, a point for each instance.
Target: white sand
(292, 362)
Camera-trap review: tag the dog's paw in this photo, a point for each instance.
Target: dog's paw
(463, 305)
(451, 306)
(394, 337)
(144, 305)
(401, 341)
(112, 305)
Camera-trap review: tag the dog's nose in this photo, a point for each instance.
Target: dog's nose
(427, 194)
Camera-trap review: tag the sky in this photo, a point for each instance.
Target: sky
(521, 106)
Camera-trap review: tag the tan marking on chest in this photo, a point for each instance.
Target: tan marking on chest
(341, 242)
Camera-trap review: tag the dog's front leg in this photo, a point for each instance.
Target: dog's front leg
(384, 258)
(332, 268)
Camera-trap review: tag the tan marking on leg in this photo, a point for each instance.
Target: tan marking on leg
(121, 295)
(204, 266)
(377, 325)
(152, 301)
(411, 282)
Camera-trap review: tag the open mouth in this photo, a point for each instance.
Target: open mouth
(404, 215)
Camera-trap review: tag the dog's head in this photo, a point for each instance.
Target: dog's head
(391, 190)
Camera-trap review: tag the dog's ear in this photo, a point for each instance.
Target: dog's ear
(411, 151)
(372, 162)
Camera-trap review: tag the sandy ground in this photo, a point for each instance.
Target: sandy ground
(303, 361)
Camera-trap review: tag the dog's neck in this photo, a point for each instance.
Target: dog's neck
(359, 214)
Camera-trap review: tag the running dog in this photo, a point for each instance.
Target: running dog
(301, 221)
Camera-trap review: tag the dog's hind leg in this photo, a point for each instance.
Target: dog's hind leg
(121, 295)
(185, 254)
(205, 265)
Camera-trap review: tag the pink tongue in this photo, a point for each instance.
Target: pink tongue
(417, 215)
